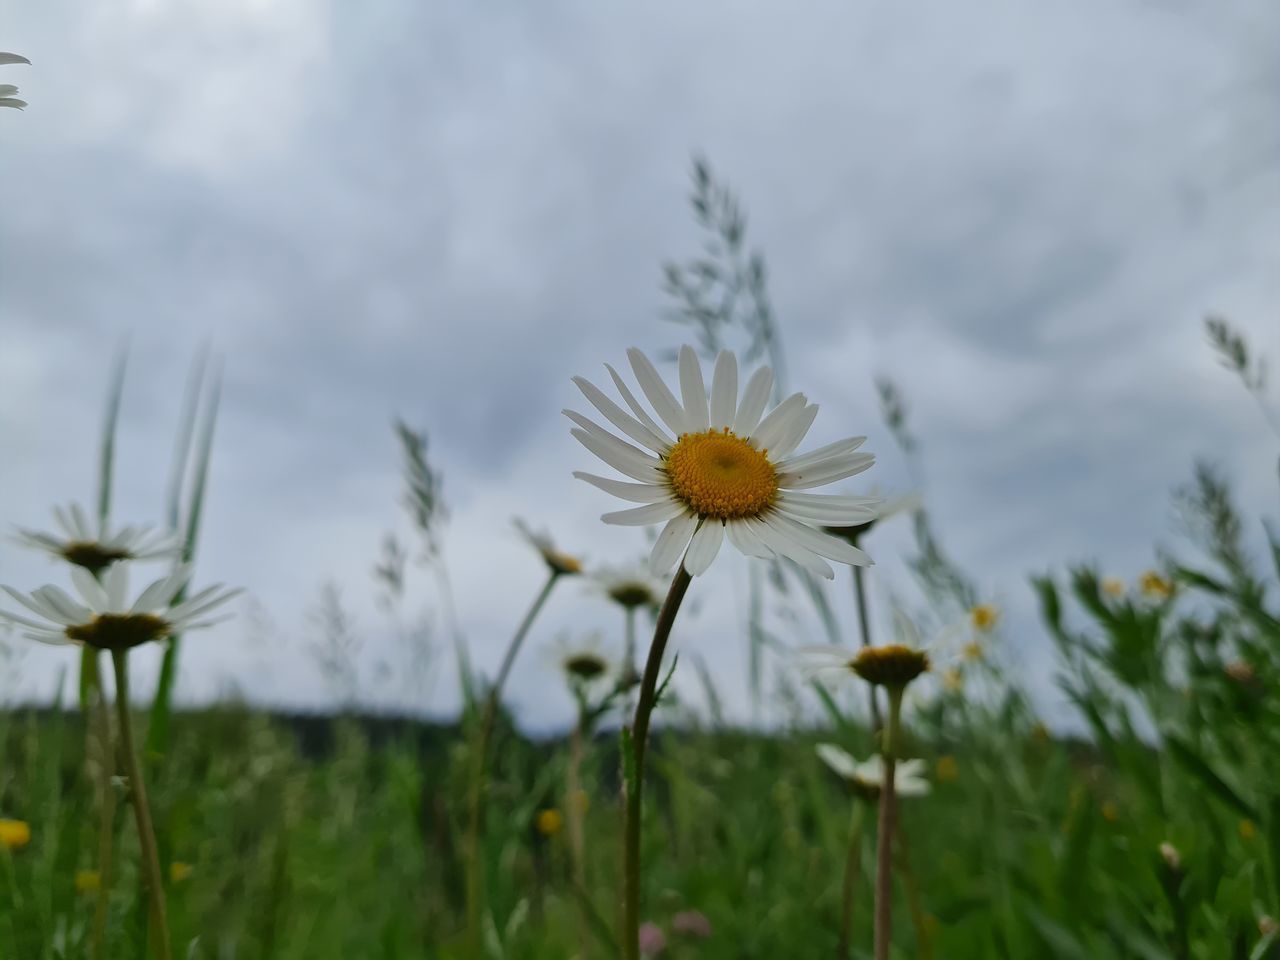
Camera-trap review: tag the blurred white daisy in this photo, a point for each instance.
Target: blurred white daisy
(82, 546)
(630, 587)
(7, 90)
(721, 467)
(891, 506)
(105, 619)
(583, 661)
(867, 776)
(557, 561)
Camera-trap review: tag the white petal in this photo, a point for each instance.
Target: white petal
(839, 448)
(649, 513)
(824, 545)
(628, 424)
(641, 413)
(158, 595)
(828, 472)
(840, 762)
(33, 603)
(116, 582)
(63, 518)
(693, 390)
(747, 543)
(671, 543)
(65, 610)
(663, 400)
(834, 514)
(795, 432)
(753, 403)
(203, 602)
(82, 524)
(89, 588)
(780, 418)
(786, 546)
(635, 492)
(51, 637)
(724, 390)
(619, 456)
(24, 621)
(704, 547)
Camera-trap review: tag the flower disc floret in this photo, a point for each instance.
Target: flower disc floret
(92, 556)
(894, 665)
(114, 631)
(585, 666)
(721, 475)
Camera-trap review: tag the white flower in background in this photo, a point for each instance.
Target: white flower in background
(629, 587)
(7, 90)
(81, 546)
(105, 619)
(582, 661)
(722, 467)
(867, 776)
(891, 506)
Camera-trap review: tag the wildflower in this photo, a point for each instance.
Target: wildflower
(549, 822)
(1155, 586)
(557, 561)
(972, 651)
(867, 776)
(727, 472)
(88, 881)
(15, 834)
(630, 588)
(691, 923)
(1113, 586)
(892, 665)
(1247, 830)
(582, 662)
(80, 546)
(1110, 812)
(902, 503)
(947, 769)
(984, 616)
(953, 679)
(7, 90)
(179, 871)
(652, 940)
(1172, 859)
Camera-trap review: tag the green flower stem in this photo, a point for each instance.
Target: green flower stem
(106, 819)
(864, 624)
(479, 770)
(629, 651)
(574, 814)
(888, 823)
(639, 737)
(141, 810)
(851, 871)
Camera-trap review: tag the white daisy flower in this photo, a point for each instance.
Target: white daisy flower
(867, 776)
(104, 618)
(583, 662)
(630, 587)
(891, 506)
(721, 467)
(557, 561)
(81, 546)
(7, 90)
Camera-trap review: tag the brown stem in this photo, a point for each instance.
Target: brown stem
(884, 838)
(639, 739)
(864, 625)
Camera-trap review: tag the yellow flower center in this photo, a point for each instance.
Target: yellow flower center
(719, 474)
(119, 631)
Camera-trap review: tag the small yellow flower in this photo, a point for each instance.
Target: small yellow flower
(1154, 585)
(15, 834)
(972, 651)
(984, 616)
(179, 871)
(1113, 586)
(953, 680)
(1110, 812)
(549, 822)
(947, 769)
(88, 881)
(1247, 830)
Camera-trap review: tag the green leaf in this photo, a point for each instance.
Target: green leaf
(1194, 764)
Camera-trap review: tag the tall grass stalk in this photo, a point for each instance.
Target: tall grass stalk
(480, 769)
(631, 867)
(852, 867)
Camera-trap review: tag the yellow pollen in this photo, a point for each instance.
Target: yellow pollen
(719, 474)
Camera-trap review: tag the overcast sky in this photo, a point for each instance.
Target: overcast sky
(1021, 212)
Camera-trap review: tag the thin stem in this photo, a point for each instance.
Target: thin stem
(574, 809)
(864, 624)
(106, 819)
(851, 871)
(884, 838)
(639, 738)
(924, 939)
(479, 771)
(629, 671)
(141, 809)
